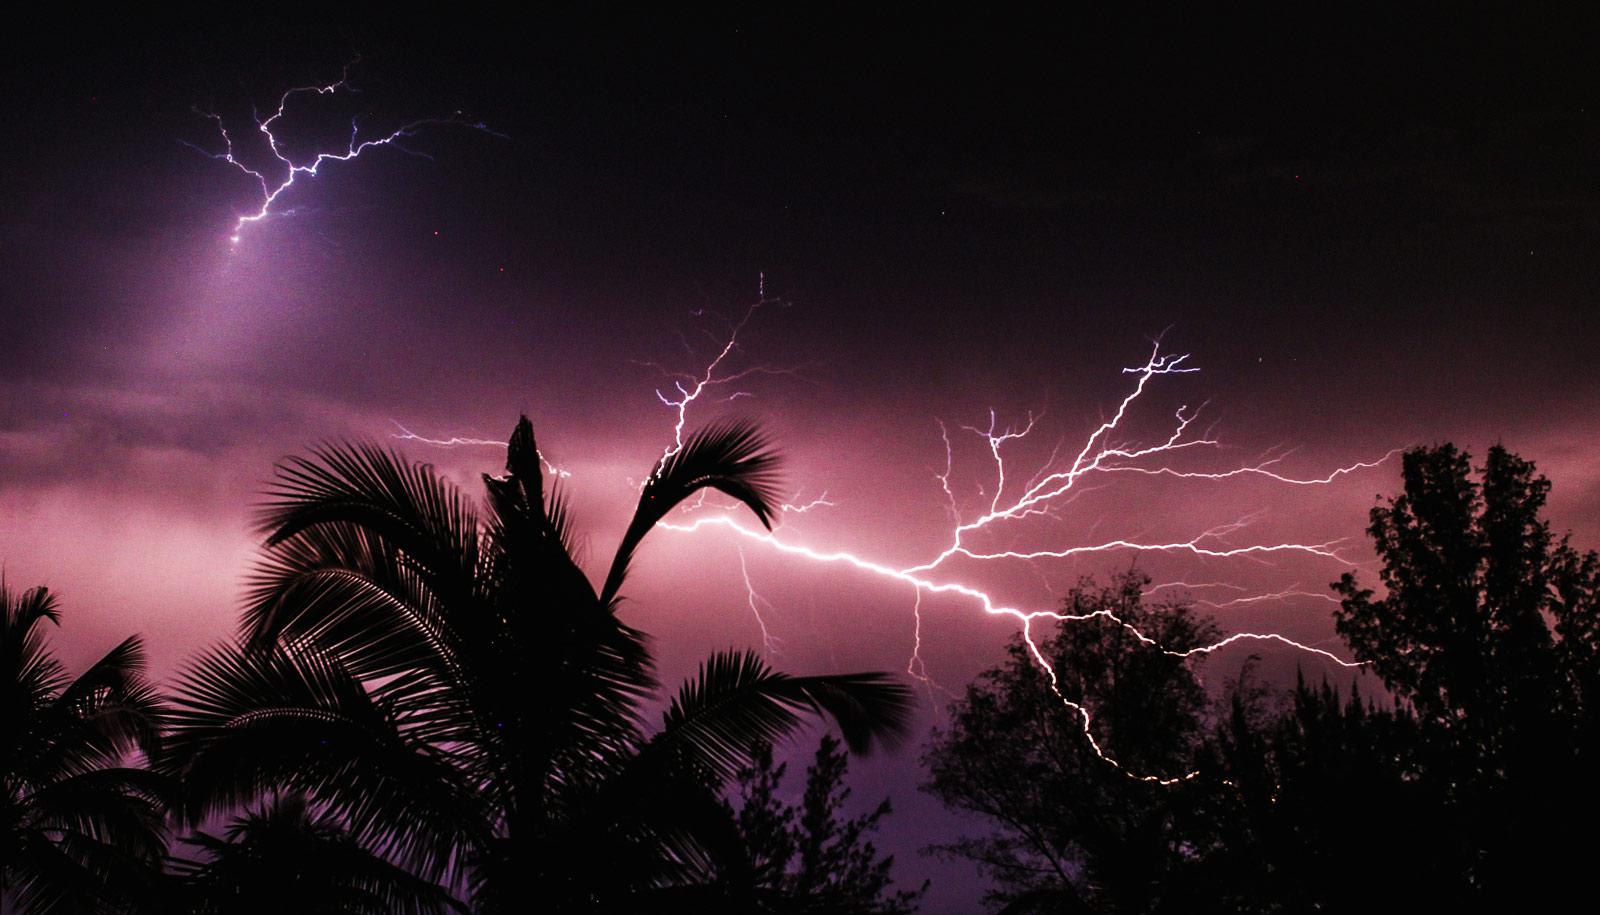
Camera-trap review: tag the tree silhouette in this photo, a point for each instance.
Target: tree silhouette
(810, 858)
(1313, 807)
(1470, 783)
(1071, 832)
(456, 693)
(1488, 630)
(81, 829)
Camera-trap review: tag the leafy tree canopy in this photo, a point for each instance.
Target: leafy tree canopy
(1468, 779)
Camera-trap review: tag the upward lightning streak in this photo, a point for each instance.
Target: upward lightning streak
(691, 387)
(274, 187)
(1049, 489)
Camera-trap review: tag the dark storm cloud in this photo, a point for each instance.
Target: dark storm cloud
(51, 433)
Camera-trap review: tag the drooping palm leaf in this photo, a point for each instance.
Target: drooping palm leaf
(736, 702)
(251, 722)
(337, 585)
(406, 506)
(733, 458)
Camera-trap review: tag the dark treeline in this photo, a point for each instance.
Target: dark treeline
(430, 709)
(1467, 782)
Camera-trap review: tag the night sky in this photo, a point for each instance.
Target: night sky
(1369, 233)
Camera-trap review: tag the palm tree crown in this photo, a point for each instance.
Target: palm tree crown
(453, 689)
(80, 830)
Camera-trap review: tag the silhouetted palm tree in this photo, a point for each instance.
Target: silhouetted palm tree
(81, 830)
(287, 857)
(456, 691)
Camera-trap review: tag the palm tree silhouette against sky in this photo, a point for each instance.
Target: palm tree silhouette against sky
(456, 692)
(81, 830)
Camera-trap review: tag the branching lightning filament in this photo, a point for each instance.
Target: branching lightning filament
(273, 187)
(1102, 453)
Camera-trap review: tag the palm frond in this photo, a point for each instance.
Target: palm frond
(734, 458)
(523, 484)
(81, 832)
(24, 610)
(408, 507)
(124, 808)
(115, 709)
(345, 589)
(251, 722)
(25, 664)
(737, 702)
(117, 670)
(529, 531)
(642, 828)
(62, 876)
(285, 855)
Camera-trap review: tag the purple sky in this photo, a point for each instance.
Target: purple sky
(1380, 238)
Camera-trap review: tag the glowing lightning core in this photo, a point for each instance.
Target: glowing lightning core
(273, 187)
(1049, 489)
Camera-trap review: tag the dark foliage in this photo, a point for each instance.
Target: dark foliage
(1487, 630)
(1072, 832)
(81, 826)
(286, 857)
(453, 692)
(811, 858)
(1470, 784)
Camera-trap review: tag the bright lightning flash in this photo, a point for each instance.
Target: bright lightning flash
(691, 387)
(286, 169)
(456, 441)
(1054, 486)
(1050, 489)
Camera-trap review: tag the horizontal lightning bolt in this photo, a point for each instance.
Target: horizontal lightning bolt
(406, 435)
(1260, 469)
(1047, 491)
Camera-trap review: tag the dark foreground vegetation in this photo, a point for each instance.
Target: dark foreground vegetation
(1468, 781)
(432, 710)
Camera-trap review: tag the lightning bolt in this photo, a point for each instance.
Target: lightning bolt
(691, 387)
(406, 435)
(754, 601)
(1055, 485)
(1103, 452)
(799, 508)
(1287, 594)
(287, 170)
